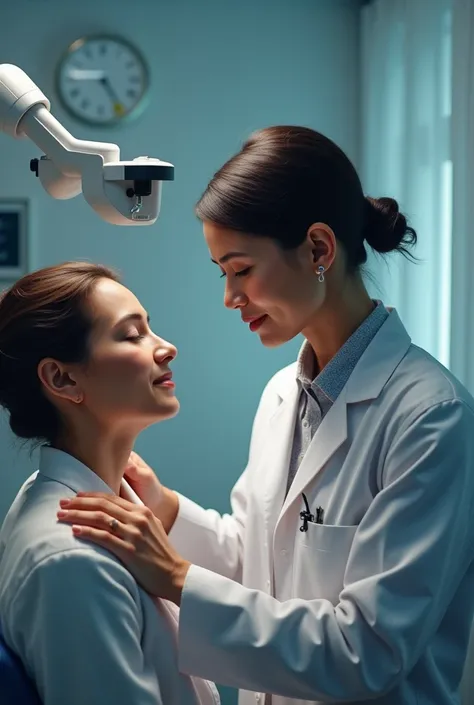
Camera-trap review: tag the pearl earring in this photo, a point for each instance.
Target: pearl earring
(321, 273)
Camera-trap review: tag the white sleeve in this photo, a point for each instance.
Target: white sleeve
(215, 541)
(209, 539)
(79, 621)
(410, 553)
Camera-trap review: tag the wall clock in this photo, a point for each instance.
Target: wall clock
(103, 80)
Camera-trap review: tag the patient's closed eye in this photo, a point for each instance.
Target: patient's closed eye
(134, 336)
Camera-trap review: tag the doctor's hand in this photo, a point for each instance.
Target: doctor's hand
(163, 502)
(134, 534)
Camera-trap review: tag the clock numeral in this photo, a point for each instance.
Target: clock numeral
(85, 104)
(100, 109)
(103, 49)
(131, 93)
(134, 79)
(130, 64)
(74, 93)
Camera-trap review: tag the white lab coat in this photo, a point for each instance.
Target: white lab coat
(375, 605)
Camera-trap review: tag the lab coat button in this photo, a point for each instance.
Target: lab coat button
(258, 697)
(305, 424)
(283, 552)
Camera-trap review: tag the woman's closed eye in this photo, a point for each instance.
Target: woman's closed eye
(241, 273)
(134, 337)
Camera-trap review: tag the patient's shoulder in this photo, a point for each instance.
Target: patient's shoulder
(36, 548)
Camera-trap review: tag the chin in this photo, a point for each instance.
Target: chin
(272, 343)
(175, 409)
(274, 339)
(163, 412)
(170, 410)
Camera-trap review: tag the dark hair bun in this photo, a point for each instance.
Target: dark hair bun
(386, 229)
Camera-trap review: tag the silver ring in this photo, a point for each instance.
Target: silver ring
(113, 523)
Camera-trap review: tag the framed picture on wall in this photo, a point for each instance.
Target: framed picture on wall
(13, 239)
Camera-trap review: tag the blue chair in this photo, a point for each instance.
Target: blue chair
(16, 687)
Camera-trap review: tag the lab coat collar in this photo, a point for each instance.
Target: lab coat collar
(366, 382)
(377, 364)
(64, 468)
(374, 368)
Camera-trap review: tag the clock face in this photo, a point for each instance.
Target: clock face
(102, 80)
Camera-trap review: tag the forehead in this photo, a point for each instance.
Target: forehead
(110, 301)
(222, 240)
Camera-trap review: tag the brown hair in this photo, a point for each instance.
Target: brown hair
(44, 314)
(286, 178)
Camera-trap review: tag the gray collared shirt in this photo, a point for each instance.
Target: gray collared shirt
(319, 394)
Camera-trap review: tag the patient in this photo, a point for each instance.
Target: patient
(82, 373)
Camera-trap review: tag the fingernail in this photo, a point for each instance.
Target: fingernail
(76, 529)
(64, 502)
(61, 513)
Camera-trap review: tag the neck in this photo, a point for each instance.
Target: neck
(103, 452)
(335, 322)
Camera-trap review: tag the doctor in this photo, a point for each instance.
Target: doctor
(346, 569)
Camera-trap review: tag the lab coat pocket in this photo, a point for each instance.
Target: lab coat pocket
(321, 558)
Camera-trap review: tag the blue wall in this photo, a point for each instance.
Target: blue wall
(219, 71)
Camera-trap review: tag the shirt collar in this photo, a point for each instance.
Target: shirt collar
(336, 373)
(64, 468)
(67, 470)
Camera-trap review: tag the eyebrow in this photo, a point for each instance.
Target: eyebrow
(132, 317)
(228, 256)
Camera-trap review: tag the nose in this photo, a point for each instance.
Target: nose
(164, 351)
(233, 296)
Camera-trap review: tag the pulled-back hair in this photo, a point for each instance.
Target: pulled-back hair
(44, 314)
(286, 178)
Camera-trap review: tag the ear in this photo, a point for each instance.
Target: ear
(322, 243)
(59, 381)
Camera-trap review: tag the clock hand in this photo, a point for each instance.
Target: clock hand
(86, 75)
(118, 107)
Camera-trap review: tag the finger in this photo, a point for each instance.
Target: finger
(136, 469)
(131, 471)
(98, 520)
(110, 504)
(98, 500)
(138, 461)
(133, 461)
(122, 549)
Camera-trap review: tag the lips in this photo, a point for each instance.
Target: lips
(255, 322)
(252, 319)
(165, 378)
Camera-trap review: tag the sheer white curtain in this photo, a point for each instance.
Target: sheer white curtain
(418, 146)
(462, 329)
(406, 109)
(462, 322)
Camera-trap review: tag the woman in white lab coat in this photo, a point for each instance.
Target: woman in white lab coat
(345, 571)
(82, 372)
